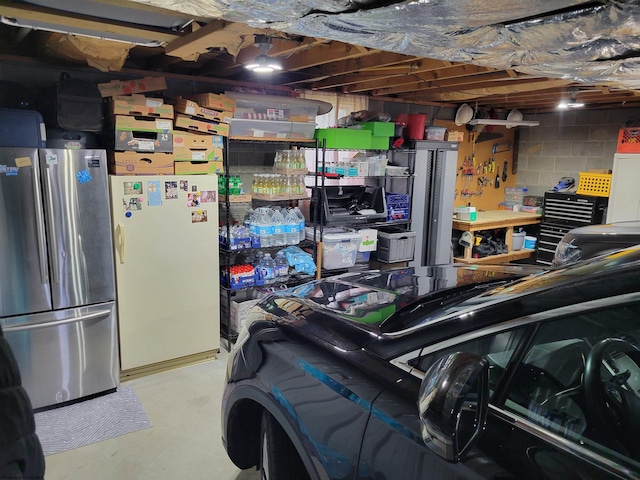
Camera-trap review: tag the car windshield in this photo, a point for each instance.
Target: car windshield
(460, 302)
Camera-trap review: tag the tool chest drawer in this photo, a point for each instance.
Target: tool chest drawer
(572, 209)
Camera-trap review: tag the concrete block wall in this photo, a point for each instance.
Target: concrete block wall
(566, 143)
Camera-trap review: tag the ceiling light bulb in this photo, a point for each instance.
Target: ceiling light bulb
(263, 64)
(571, 102)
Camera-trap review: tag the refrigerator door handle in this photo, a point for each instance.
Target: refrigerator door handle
(100, 314)
(120, 237)
(53, 239)
(42, 242)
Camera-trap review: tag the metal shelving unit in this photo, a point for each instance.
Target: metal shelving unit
(233, 257)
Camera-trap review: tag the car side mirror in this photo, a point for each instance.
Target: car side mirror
(453, 404)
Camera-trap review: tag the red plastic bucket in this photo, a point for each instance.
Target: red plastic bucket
(415, 126)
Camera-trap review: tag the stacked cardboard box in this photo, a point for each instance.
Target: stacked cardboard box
(143, 136)
(201, 123)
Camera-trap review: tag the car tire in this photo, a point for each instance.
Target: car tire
(279, 459)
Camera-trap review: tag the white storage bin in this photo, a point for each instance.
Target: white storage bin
(239, 312)
(434, 133)
(274, 107)
(339, 247)
(368, 239)
(271, 129)
(396, 245)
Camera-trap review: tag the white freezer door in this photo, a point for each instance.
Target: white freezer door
(624, 198)
(167, 268)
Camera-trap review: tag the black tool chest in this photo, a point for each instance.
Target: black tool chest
(564, 212)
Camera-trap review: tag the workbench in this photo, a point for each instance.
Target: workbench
(491, 220)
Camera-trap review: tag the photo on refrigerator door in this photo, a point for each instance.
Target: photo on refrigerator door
(133, 188)
(170, 190)
(132, 204)
(208, 196)
(184, 185)
(199, 216)
(193, 200)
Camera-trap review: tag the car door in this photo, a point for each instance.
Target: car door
(571, 407)
(539, 425)
(393, 447)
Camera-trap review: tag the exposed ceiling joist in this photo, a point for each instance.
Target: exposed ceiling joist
(71, 21)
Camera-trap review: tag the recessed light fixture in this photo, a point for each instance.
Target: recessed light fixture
(262, 63)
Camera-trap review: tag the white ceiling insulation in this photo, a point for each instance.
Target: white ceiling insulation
(582, 41)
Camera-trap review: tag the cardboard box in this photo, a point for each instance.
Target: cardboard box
(185, 122)
(454, 136)
(159, 125)
(215, 102)
(193, 146)
(127, 87)
(191, 108)
(197, 168)
(344, 138)
(134, 163)
(143, 134)
(141, 106)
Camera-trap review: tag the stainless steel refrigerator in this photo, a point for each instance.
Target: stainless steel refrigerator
(57, 288)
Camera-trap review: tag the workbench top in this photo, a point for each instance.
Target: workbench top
(496, 219)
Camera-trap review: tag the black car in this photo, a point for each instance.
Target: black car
(449, 372)
(592, 240)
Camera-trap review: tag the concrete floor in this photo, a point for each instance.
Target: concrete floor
(184, 442)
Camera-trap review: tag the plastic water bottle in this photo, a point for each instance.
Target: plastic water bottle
(268, 268)
(282, 267)
(265, 228)
(291, 233)
(233, 237)
(277, 220)
(300, 216)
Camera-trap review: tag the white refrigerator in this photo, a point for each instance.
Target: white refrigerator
(624, 194)
(167, 268)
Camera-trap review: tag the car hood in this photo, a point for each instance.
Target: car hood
(347, 311)
(609, 231)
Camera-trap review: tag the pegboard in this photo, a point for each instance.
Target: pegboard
(470, 177)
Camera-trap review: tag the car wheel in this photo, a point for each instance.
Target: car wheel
(278, 457)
